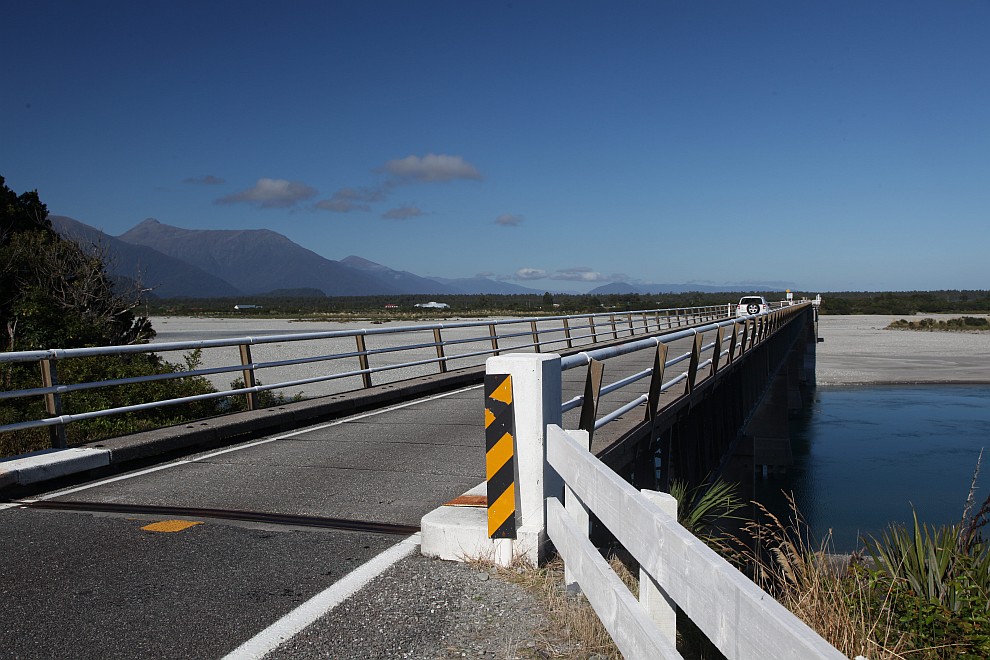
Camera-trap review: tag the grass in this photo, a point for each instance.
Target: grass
(572, 631)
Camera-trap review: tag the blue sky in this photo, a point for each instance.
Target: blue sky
(824, 146)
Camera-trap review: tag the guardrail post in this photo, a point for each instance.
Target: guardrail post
(536, 393)
(658, 605)
(656, 382)
(594, 333)
(717, 353)
(734, 341)
(494, 336)
(438, 340)
(632, 332)
(615, 332)
(592, 390)
(578, 511)
(248, 374)
(363, 360)
(536, 336)
(695, 361)
(53, 403)
(567, 334)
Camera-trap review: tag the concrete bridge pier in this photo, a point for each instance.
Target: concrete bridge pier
(764, 446)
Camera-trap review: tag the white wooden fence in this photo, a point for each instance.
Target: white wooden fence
(679, 572)
(676, 568)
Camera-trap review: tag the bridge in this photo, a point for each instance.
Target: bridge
(374, 463)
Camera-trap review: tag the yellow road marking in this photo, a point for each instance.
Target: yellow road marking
(170, 526)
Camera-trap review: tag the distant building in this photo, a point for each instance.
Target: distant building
(433, 305)
(240, 308)
(391, 306)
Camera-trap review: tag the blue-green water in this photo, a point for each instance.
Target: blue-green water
(864, 456)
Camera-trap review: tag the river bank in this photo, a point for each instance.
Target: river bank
(858, 350)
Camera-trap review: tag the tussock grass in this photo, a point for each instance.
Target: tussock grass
(573, 630)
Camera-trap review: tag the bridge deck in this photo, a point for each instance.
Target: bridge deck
(203, 591)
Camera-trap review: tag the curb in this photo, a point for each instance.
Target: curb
(50, 464)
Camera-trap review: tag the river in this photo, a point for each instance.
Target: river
(866, 456)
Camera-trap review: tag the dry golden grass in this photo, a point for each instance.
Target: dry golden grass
(824, 590)
(573, 630)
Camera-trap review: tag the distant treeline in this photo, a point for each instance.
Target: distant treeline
(906, 303)
(403, 306)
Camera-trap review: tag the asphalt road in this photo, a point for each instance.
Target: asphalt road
(101, 583)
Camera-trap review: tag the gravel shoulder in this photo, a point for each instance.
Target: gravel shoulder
(858, 350)
(424, 609)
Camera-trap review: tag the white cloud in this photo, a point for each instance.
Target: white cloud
(530, 274)
(576, 274)
(431, 168)
(271, 193)
(208, 180)
(508, 220)
(403, 213)
(579, 274)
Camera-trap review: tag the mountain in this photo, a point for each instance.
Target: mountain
(166, 276)
(257, 260)
(404, 281)
(480, 285)
(622, 288)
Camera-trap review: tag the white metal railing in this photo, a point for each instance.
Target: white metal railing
(405, 352)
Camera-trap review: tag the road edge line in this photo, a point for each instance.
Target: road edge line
(309, 612)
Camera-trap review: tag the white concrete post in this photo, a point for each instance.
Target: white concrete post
(652, 597)
(576, 510)
(536, 395)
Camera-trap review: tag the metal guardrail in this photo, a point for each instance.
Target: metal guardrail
(539, 334)
(677, 570)
(741, 334)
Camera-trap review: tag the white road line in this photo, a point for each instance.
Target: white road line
(295, 621)
(249, 445)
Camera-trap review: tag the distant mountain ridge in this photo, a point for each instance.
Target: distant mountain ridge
(224, 263)
(255, 260)
(622, 288)
(214, 263)
(166, 276)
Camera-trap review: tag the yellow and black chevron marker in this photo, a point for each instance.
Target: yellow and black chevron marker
(500, 454)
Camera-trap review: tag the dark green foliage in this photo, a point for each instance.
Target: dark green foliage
(265, 398)
(54, 294)
(937, 588)
(962, 324)
(906, 303)
(79, 370)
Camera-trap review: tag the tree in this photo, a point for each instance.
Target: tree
(54, 293)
